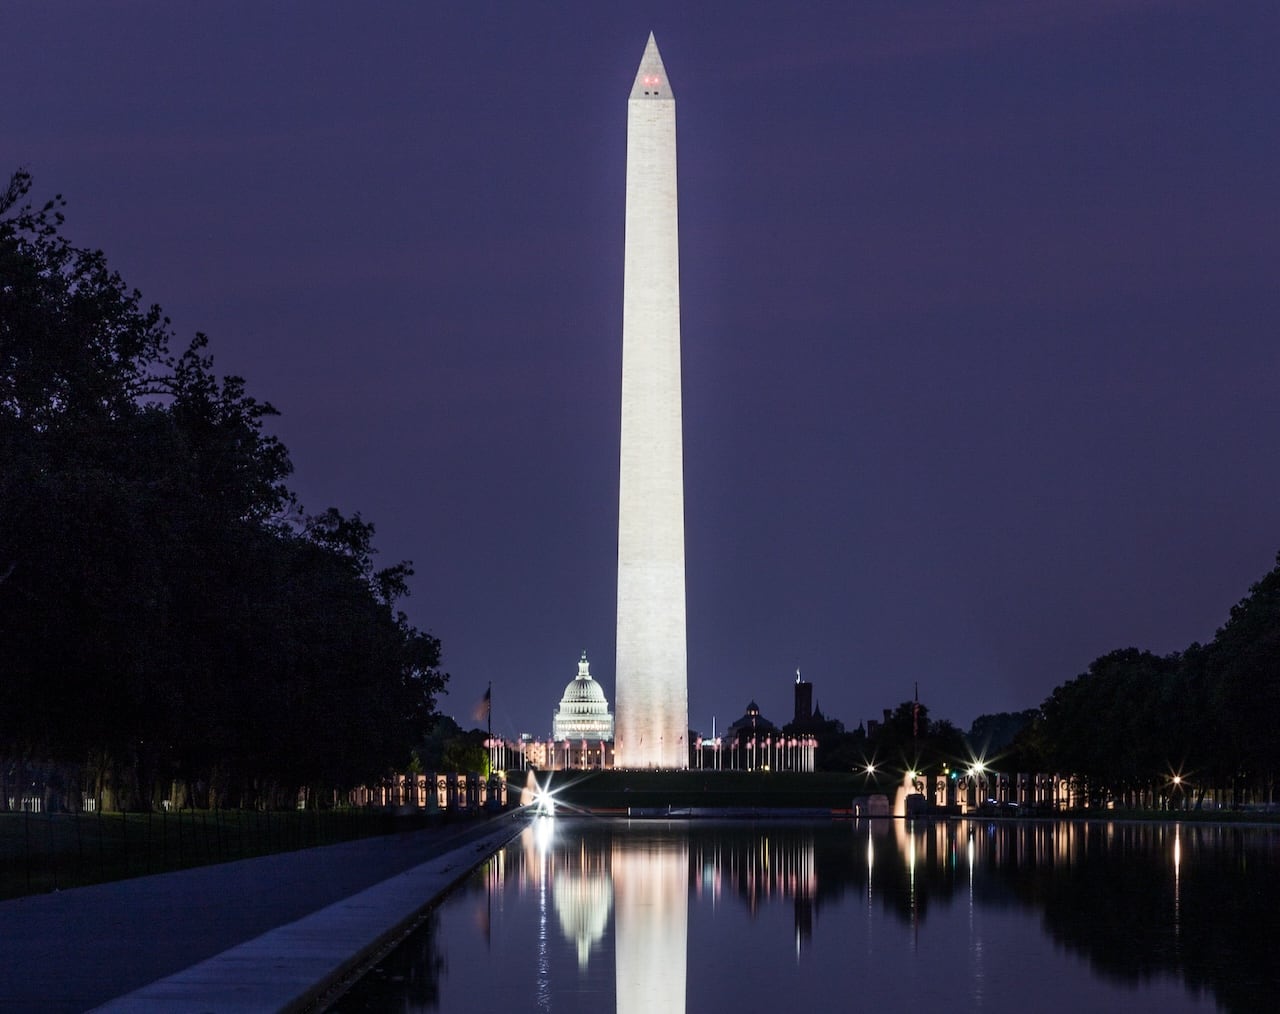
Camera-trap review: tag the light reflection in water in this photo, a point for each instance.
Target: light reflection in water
(971, 850)
(1026, 902)
(584, 900)
(975, 935)
(1177, 880)
(651, 889)
(542, 833)
(871, 859)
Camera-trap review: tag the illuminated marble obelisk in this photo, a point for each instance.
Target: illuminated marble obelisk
(652, 683)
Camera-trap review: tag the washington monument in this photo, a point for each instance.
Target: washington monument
(652, 680)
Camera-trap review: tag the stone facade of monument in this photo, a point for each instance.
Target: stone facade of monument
(652, 678)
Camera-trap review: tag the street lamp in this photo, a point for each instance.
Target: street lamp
(976, 772)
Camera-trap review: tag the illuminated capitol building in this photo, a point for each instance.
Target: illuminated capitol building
(582, 736)
(581, 728)
(583, 712)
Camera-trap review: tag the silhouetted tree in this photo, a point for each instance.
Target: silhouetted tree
(1207, 716)
(909, 739)
(991, 735)
(165, 612)
(1240, 673)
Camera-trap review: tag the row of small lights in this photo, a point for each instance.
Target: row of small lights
(979, 768)
(975, 769)
(544, 800)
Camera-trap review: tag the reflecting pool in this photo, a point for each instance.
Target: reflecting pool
(608, 915)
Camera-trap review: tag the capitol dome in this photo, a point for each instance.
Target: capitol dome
(582, 691)
(583, 712)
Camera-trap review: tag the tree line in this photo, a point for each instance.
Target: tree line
(169, 615)
(1135, 729)
(1139, 726)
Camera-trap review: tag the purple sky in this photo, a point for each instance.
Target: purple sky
(980, 310)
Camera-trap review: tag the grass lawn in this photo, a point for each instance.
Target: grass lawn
(679, 789)
(43, 852)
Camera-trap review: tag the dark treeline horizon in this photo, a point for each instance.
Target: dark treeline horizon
(172, 624)
(1135, 727)
(1183, 724)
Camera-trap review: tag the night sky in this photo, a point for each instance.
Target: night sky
(979, 312)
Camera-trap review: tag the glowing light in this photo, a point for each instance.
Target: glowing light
(544, 832)
(911, 865)
(1177, 880)
(540, 797)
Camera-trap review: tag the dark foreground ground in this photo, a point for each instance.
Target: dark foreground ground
(44, 852)
(75, 949)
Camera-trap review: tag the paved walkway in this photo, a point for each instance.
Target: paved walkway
(254, 935)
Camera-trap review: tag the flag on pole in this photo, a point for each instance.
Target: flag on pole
(486, 703)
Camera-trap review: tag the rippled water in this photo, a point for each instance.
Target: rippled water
(656, 916)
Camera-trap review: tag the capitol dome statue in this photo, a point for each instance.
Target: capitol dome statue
(583, 712)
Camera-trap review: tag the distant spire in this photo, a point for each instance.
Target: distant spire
(651, 79)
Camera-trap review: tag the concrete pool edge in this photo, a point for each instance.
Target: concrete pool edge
(292, 967)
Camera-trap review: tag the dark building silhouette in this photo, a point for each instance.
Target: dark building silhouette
(809, 719)
(750, 726)
(804, 699)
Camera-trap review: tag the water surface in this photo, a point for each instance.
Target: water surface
(671, 916)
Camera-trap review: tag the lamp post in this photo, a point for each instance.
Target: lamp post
(976, 779)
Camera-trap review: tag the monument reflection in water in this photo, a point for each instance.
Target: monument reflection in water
(651, 885)
(656, 916)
